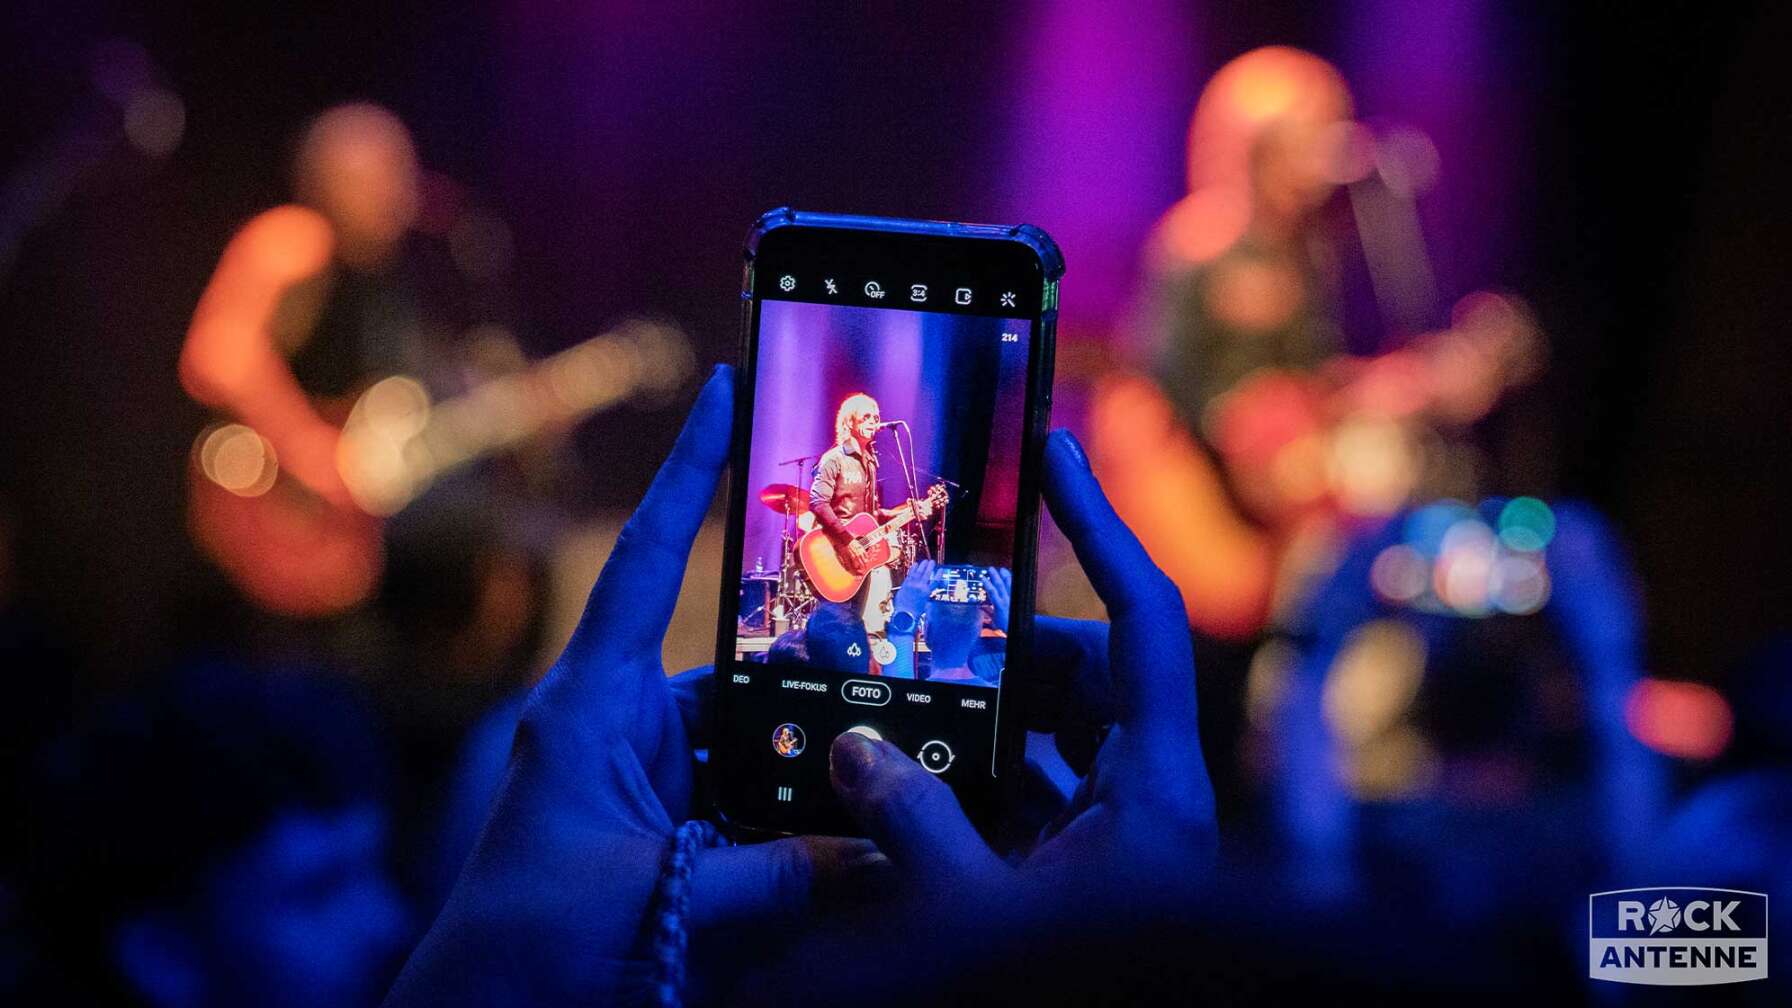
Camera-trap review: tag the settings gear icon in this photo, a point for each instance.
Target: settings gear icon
(1664, 915)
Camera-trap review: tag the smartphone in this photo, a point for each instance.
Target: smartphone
(882, 524)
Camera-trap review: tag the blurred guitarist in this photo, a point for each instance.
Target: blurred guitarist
(845, 485)
(1257, 443)
(301, 306)
(311, 301)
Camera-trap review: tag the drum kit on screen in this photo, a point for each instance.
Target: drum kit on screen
(774, 601)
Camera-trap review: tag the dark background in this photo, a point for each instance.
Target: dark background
(1642, 212)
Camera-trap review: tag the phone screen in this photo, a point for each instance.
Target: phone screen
(882, 534)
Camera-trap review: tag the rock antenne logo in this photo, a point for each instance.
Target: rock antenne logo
(1678, 935)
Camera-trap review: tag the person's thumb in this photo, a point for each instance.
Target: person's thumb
(912, 815)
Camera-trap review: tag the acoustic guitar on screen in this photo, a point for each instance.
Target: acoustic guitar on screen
(293, 552)
(830, 567)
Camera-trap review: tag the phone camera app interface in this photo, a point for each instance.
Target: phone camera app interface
(883, 479)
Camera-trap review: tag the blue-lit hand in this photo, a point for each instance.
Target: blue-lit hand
(551, 906)
(1150, 763)
(911, 597)
(1595, 596)
(1596, 600)
(1000, 585)
(1138, 836)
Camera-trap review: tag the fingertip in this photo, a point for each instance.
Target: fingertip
(911, 815)
(1067, 469)
(1071, 488)
(705, 433)
(639, 586)
(1121, 571)
(851, 759)
(718, 391)
(1063, 448)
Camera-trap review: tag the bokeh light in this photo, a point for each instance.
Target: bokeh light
(1521, 584)
(1687, 720)
(372, 455)
(1400, 573)
(1465, 568)
(155, 119)
(1372, 465)
(238, 459)
(1266, 683)
(1425, 527)
(1526, 524)
(1452, 559)
(1374, 679)
(1370, 689)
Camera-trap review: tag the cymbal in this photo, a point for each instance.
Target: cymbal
(784, 499)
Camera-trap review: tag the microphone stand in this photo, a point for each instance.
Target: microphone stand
(905, 461)
(940, 529)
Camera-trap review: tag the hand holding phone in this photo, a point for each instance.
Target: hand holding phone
(562, 874)
(1135, 845)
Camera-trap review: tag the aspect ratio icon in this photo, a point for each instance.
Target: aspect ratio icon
(874, 290)
(918, 292)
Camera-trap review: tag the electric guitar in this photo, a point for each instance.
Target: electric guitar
(831, 569)
(295, 553)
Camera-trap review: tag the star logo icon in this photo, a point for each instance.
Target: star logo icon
(1664, 915)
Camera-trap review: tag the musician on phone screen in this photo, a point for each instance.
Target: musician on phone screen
(845, 485)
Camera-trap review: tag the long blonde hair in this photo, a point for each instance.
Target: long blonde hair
(851, 409)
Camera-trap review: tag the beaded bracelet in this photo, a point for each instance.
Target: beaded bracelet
(672, 901)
